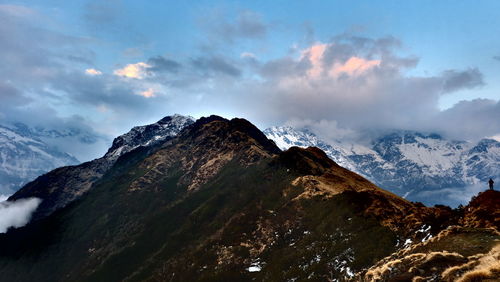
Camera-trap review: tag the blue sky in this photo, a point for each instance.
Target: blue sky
(418, 65)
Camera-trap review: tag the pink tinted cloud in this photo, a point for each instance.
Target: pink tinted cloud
(354, 66)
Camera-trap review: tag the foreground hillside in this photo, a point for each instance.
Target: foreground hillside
(468, 251)
(221, 202)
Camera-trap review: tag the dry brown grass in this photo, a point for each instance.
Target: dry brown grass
(413, 266)
(487, 268)
(420, 263)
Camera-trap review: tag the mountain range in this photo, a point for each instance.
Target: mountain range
(24, 156)
(419, 167)
(216, 200)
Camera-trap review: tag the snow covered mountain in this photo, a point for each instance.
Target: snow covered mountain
(148, 134)
(23, 157)
(420, 167)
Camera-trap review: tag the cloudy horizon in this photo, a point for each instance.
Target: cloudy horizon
(104, 67)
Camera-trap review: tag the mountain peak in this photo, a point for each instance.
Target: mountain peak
(205, 147)
(236, 130)
(176, 118)
(147, 135)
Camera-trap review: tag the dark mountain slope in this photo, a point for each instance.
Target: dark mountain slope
(63, 185)
(219, 202)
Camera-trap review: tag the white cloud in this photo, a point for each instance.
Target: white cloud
(148, 93)
(16, 214)
(137, 70)
(93, 72)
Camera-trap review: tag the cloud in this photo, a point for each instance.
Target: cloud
(470, 119)
(326, 129)
(137, 70)
(162, 64)
(359, 84)
(347, 84)
(452, 196)
(248, 24)
(42, 84)
(148, 93)
(215, 64)
(231, 26)
(16, 214)
(354, 66)
(93, 72)
(11, 96)
(456, 80)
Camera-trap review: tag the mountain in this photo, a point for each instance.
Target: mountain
(420, 167)
(63, 185)
(23, 157)
(77, 140)
(220, 202)
(147, 135)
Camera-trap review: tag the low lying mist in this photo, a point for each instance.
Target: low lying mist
(452, 197)
(17, 213)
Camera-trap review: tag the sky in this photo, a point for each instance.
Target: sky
(342, 67)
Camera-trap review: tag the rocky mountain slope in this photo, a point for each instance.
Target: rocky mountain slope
(221, 202)
(63, 185)
(23, 157)
(426, 168)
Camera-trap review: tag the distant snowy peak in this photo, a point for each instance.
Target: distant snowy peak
(483, 160)
(44, 133)
(431, 152)
(406, 162)
(24, 157)
(286, 137)
(148, 134)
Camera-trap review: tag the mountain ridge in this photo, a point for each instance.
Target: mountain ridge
(220, 201)
(63, 185)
